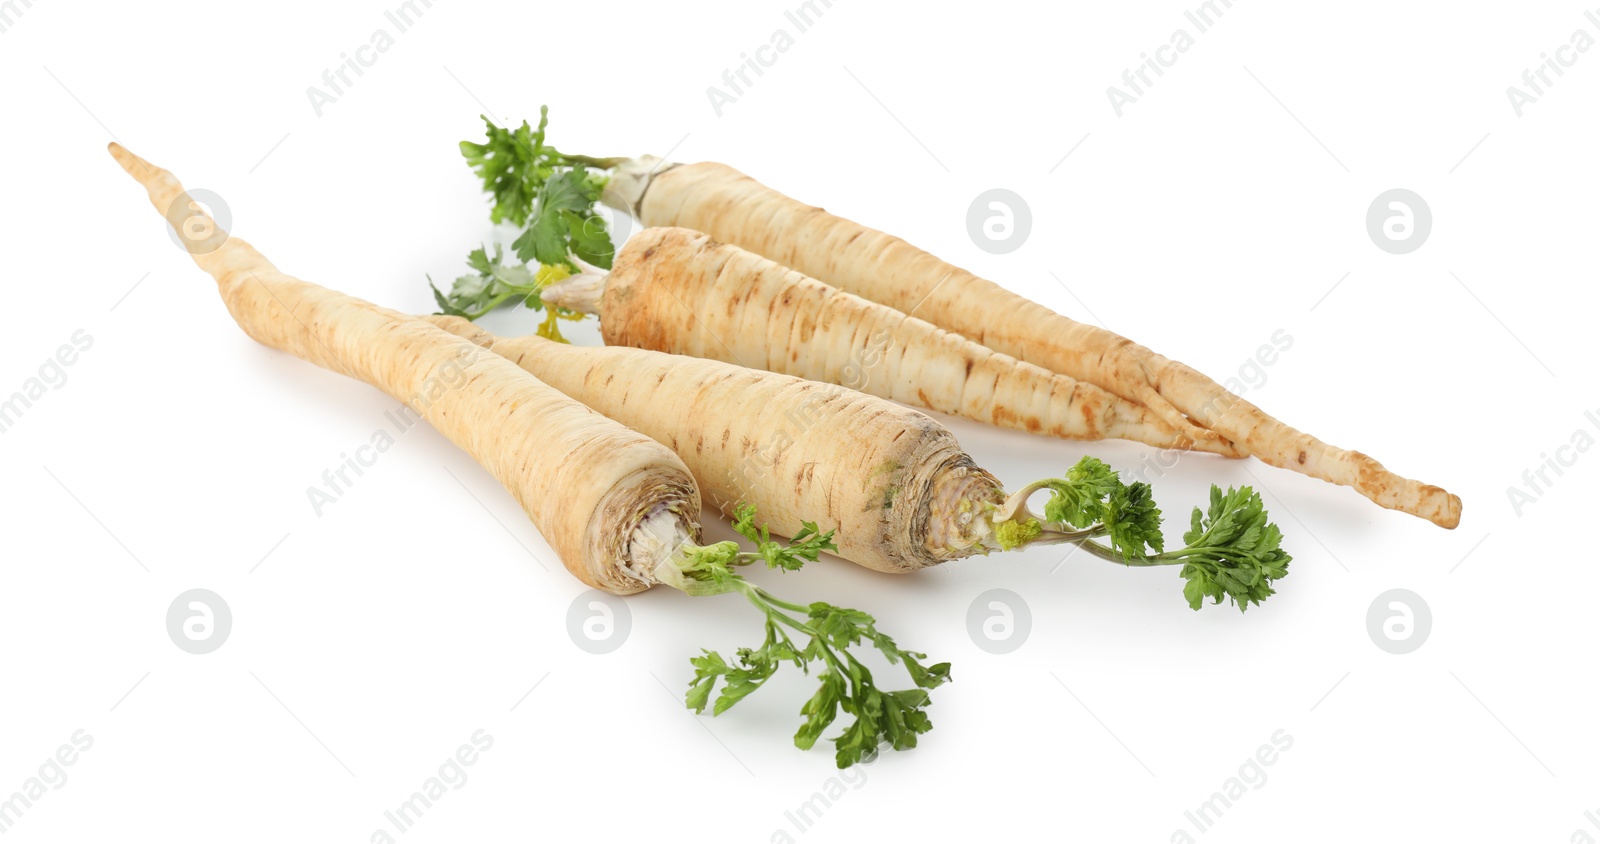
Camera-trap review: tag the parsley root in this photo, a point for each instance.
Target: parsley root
(895, 483)
(555, 192)
(678, 291)
(904, 494)
(588, 483)
(734, 208)
(620, 509)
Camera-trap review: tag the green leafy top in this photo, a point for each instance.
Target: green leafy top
(1132, 520)
(549, 192)
(804, 547)
(1078, 499)
(563, 223)
(1092, 494)
(1231, 551)
(493, 282)
(551, 196)
(826, 633)
(514, 164)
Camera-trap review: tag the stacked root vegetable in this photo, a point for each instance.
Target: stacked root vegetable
(797, 322)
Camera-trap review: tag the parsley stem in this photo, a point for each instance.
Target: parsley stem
(589, 161)
(770, 605)
(1055, 535)
(494, 303)
(894, 718)
(745, 558)
(1084, 539)
(768, 597)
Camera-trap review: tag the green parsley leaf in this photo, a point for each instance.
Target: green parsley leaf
(1132, 520)
(494, 282)
(551, 196)
(513, 164)
(805, 546)
(1232, 551)
(1079, 500)
(565, 207)
(821, 709)
(829, 632)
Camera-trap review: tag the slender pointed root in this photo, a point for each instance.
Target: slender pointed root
(1189, 400)
(1277, 444)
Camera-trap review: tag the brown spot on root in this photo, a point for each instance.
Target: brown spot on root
(969, 366)
(1302, 458)
(802, 478)
(1090, 411)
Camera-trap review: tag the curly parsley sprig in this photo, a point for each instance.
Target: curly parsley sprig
(816, 635)
(548, 193)
(515, 163)
(1230, 550)
(551, 196)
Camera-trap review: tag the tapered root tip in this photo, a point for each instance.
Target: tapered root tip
(152, 177)
(1448, 513)
(133, 164)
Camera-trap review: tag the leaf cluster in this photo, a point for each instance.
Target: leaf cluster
(1091, 494)
(514, 164)
(494, 282)
(548, 194)
(813, 637)
(1232, 550)
(804, 547)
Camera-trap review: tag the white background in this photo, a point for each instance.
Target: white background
(1223, 205)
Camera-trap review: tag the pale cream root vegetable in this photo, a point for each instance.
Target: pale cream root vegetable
(894, 482)
(676, 290)
(611, 502)
(732, 207)
(880, 471)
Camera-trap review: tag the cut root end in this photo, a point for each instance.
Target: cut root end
(657, 538)
(963, 497)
